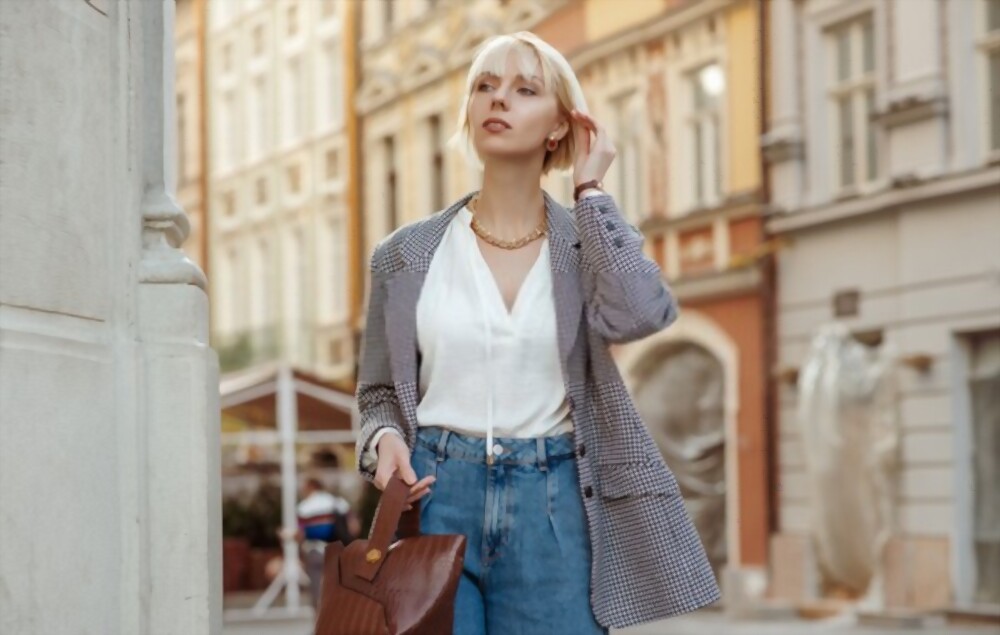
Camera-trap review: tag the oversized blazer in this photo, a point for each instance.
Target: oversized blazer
(648, 561)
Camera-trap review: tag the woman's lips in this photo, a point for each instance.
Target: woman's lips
(495, 126)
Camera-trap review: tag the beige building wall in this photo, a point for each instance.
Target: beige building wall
(278, 184)
(904, 212)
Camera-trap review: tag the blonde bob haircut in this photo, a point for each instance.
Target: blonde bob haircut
(557, 77)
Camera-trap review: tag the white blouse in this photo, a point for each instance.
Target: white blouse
(485, 371)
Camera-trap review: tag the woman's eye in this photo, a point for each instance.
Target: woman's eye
(530, 92)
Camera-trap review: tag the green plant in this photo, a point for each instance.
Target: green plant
(265, 511)
(236, 519)
(256, 517)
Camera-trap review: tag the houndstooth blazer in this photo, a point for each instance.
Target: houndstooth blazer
(648, 561)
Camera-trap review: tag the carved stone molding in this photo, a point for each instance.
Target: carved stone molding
(911, 109)
(165, 226)
(779, 146)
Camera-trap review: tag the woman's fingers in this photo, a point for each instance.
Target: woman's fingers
(425, 481)
(586, 119)
(602, 140)
(582, 134)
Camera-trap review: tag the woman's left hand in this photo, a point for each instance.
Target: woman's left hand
(593, 156)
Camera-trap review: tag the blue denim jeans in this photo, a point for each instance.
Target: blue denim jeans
(527, 560)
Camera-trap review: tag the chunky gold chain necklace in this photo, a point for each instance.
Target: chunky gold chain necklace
(481, 231)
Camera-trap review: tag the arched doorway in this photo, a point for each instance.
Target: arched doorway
(679, 390)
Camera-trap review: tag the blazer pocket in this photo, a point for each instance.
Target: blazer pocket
(622, 480)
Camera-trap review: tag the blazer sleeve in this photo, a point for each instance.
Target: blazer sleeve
(378, 405)
(625, 294)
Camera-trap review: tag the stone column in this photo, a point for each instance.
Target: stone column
(181, 545)
(109, 419)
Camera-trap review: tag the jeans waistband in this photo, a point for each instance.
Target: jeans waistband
(541, 451)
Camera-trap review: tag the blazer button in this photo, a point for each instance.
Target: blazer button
(609, 225)
(588, 491)
(583, 450)
(618, 242)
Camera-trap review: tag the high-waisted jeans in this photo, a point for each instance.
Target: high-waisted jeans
(527, 560)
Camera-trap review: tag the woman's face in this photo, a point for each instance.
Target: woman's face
(513, 116)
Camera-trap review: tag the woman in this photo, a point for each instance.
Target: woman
(486, 378)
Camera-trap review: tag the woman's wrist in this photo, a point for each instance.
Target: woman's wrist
(585, 186)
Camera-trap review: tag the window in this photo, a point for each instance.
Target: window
(229, 285)
(436, 162)
(294, 102)
(261, 301)
(333, 164)
(991, 47)
(337, 351)
(229, 151)
(337, 265)
(292, 19)
(258, 117)
(707, 87)
(227, 58)
(181, 139)
(228, 204)
(301, 276)
(294, 173)
(984, 399)
(388, 15)
(389, 154)
(852, 98)
(627, 133)
(258, 40)
(261, 186)
(334, 81)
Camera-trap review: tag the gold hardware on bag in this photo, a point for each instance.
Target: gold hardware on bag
(373, 556)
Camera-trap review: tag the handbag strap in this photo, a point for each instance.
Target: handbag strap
(386, 523)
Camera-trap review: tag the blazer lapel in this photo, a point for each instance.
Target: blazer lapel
(417, 250)
(403, 291)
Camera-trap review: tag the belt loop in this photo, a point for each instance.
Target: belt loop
(543, 463)
(442, 444)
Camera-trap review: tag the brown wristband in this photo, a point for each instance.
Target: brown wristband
(593, 184)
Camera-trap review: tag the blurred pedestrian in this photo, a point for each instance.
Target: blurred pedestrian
(486, 373)
(322, 518)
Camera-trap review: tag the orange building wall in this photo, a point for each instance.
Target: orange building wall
(741, 318)
(744, 236)
(565, 29)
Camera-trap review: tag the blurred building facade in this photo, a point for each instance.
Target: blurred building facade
(280, 185)
(853, 140)
(414, 57)
(677, 84)
(191, 137)
(882, 142)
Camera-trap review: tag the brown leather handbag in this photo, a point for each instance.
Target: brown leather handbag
(372, 587)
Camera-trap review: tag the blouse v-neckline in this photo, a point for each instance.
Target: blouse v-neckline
(511, 313)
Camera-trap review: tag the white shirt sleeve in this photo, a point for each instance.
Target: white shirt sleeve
(370, 458)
